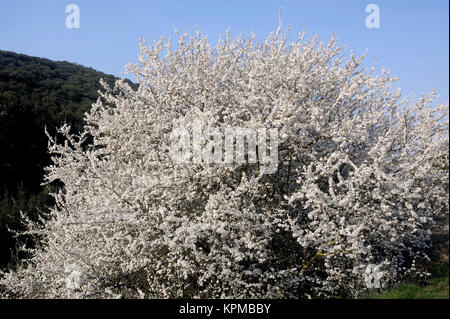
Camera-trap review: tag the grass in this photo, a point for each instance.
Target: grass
(437, 287)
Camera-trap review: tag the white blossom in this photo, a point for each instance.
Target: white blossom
(360, 179)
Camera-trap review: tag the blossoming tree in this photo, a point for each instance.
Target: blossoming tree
(358, 184)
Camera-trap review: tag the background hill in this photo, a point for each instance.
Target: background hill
(35, 93)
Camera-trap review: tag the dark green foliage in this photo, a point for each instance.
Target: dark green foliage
(35, 93)
(10, 207)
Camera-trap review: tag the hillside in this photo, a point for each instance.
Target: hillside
(35, 93)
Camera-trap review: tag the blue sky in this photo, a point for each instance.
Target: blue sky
(412, 41)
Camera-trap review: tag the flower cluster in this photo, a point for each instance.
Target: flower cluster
(359, 181)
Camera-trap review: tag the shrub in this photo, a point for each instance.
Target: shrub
(355, 186)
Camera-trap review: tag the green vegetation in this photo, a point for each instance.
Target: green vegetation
(35, 93)
(437, 287)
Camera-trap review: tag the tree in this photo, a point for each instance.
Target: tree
(354, 189)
